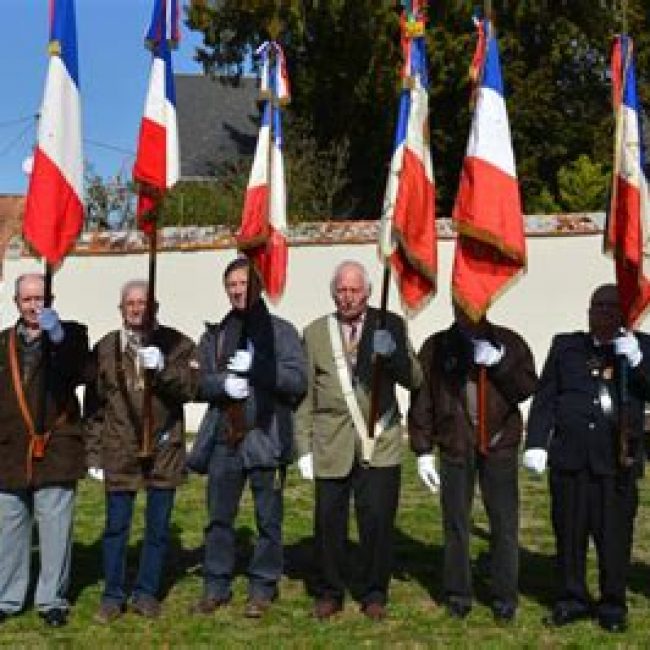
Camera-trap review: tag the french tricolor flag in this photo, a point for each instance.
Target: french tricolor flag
(54, 210)
(262, 235)
(157, 166)
(491, 245)
(407, 238)
(626, 232)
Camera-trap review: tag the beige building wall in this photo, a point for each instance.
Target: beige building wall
(551, 297)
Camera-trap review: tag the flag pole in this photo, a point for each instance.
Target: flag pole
(146, 450)
(481, 389)
(38, 451)
(377, 360)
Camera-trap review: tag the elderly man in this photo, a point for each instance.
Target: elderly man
(587, 417)
(42, 450)
(252, 376)
(333, 441)
(474, 442)
(115, 404)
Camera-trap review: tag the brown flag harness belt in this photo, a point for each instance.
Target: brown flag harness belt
(37, 442)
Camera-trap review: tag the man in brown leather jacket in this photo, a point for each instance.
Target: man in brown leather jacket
(41, 458)
(114, 412)
(445, 412)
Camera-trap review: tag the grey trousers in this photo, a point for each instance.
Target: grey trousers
(52, 509)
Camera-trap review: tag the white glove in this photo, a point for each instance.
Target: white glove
(151, 358)
(48, 321)
(236, 387)
(486, 354)
(535, 460)
(96, 473)
(383, 343)
(242, 360)
(627, 345)
(427, 472)
(306, 466)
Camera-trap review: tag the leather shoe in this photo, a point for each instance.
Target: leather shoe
(146, 606)
(457, 609)
(256, 607)
(209, 604)
(613, 622)
(55, 617)
(108, 612)
(503, 612)
(563, 615)
(4, 616)
(374, 611)
(326, 608)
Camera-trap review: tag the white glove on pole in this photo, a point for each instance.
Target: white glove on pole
(96, 473)
(48, 321)
(383, 343)
(427, 472)
(242, 361)
(486, 354)
(236, 387)
(306, 466)
(151, 358)
(627, 345)
(535, 460)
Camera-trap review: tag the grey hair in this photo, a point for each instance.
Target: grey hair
(133, 284)
(26, 276)
(367, 285)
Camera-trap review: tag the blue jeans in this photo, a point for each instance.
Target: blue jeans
(119, 513)
(226, 480)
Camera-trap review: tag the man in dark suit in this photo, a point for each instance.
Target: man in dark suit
(587, 417)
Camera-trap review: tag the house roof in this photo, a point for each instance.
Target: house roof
(217, 121)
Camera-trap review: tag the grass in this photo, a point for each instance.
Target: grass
(416, 620)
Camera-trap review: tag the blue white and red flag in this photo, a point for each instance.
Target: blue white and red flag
(407, 238)
(628, 221)
(262, 235)
(54, 208)
(157, 163)
(491, 244)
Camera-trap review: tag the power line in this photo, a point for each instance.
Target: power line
(19, 120)
(15, 140)
(104, 145)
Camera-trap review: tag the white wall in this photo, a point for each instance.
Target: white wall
(551, 297)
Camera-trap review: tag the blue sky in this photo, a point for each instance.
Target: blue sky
(113, 72)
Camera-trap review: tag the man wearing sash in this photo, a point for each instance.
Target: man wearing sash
(115, 408)
(587, 420)
(333, 442)
(475, 443)
(42, 450)
(252, 376)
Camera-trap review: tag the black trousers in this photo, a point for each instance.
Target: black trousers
(376, 495)
(603, 507)
(498, 481)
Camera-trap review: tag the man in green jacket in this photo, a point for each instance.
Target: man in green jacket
(332, 438)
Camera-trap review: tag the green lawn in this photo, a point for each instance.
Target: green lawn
(416, 618)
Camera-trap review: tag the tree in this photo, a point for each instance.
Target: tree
(344, 56)
(109, 203)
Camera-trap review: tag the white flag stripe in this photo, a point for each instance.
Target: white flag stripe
(173, 155)
(489, 137)
(62, 146)
(155, 105)
(278, 199)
